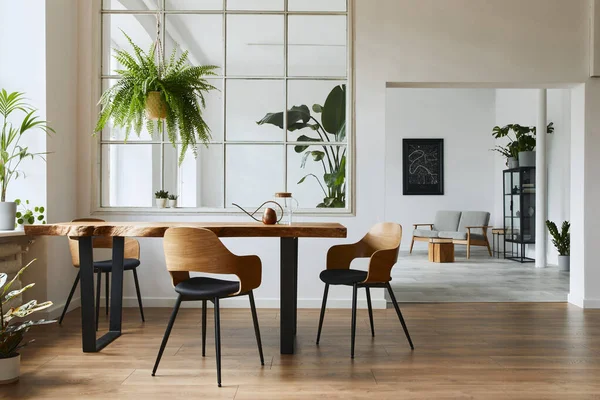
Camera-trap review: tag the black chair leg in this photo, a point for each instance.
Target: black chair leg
(139, 295)
(167, 333)
(370, 311)
(354, 293)
(395, 303)
(218, 339)
(323, 306)
(107, 290)
(203, 328)
(98, 289)
(256, 328)
(62, 316)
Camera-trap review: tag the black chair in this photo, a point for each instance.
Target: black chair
(200, 250)
(381, 245)
(131, 262)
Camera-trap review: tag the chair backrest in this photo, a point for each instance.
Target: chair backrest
(446, 221)
(132, 246)
(200, 250)
(473, 218)
(383, 236)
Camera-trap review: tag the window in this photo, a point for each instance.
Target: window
(272, 55)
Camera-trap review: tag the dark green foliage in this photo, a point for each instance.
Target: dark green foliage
(562, 239)
(161, 194)
(524, 139)
(172, 197)
(182, 88)
(332, 128)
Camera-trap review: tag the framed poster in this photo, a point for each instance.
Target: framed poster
(423, 166)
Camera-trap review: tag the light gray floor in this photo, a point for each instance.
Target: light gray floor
(480, 279)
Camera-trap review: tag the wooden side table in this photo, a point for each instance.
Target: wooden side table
(496, 233)
(441, 250)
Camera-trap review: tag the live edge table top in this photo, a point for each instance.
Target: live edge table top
(157, 229)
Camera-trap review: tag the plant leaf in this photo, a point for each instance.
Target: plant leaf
(334, 110)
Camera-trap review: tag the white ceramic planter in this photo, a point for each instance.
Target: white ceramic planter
(564, 263)
(161, 203)
(527, 159)
(10, 369)
(172, 203)
(8, 212)
(512, 162)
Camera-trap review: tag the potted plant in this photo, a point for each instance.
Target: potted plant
(150, 91)
(12, 153)
(521, 146)
(28, 215)
(332, 128)
(11, 335)
(562, 242)
(173, 200)
(161, 198)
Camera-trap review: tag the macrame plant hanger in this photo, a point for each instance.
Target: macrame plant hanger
(156, 107)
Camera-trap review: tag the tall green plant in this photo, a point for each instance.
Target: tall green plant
(11, 335)
(12, 153)
(562, 239)
(523, 139)
(332, 128)
(182, 89)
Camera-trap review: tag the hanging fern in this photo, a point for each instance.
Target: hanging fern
(182, 89)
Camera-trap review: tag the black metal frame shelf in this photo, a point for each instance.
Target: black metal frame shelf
(518, 197)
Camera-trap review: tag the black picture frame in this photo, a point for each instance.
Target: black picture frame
(423, 167)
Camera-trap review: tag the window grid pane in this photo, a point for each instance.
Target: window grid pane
(175, 9)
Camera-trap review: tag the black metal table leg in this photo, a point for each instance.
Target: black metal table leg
(288, 287)
(88, 314)
(86, 287)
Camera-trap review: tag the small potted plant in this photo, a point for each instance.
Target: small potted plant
(12, 151)
(520, 151)
(562, 242)
(27, 215)
(173, 200)
(161, 198)
(11, 335)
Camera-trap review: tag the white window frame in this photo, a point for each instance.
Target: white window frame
(97, 207)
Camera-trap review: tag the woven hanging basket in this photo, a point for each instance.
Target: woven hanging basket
(156, 107)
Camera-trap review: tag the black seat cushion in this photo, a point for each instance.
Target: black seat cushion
(343, 276)
(206, 288)
(106, 265)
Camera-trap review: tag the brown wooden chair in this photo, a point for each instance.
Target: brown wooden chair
(131, 262)
(200, 250)
(381, 245)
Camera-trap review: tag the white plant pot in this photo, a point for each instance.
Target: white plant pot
(161, 203)
(527, 159)
(564, 263)
(8, 212)
(10, 369)
(172, 203)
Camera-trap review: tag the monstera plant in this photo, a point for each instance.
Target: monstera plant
(331, 129)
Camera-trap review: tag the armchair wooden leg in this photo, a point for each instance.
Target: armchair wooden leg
(487, 242)
(468, 250)
(203, 328)
(69, 298)
(218, 339)
(400, 317)
(353, 336)
(411, 245)
(256, 328)
(323, 306)
(370, 311)
(167, 333)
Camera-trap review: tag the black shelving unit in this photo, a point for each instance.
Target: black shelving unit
(519, 212)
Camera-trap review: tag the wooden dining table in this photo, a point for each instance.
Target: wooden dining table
(85, 231)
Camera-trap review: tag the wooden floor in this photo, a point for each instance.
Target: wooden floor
(463, 350)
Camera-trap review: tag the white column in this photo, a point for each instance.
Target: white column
(541, 195)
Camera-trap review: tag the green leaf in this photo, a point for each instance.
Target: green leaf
(18, 202)
(31, 220)
(317, 108)
(36, 209)
(40, 218)
(298, 117)
(303, 138)
(317, 155)
(11, 295)
(3, 278)
(334, 110)
(20, 221)
(19, 215)
(42, 209)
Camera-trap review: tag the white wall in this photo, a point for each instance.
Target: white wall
(462, 117)
(411, 41)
